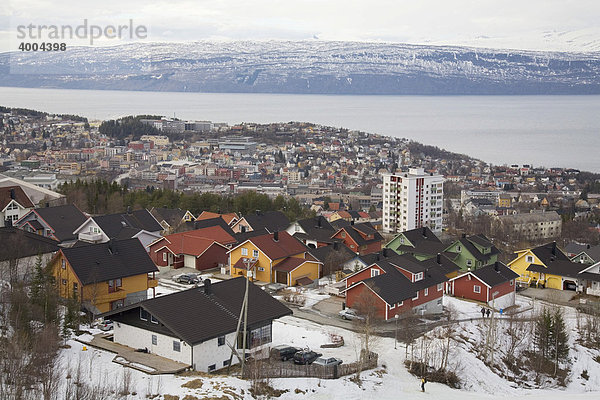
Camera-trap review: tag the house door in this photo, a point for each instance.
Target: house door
(281, 277)
(170, 257)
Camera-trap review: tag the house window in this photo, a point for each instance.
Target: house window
(261, 269)
(165, 256)
(225, 363)
(343, 234)
(212, 367)
(374, 272)
(440, 286)
(221, 341)
(529, 259)
(512, 282)
(418, 276)
(400, 304)
(244, 251)
(153, 320)
(469, 262)
(458, 249)
(75, 287)
(114, 285)
(143, 314)
(154, 340)
(176, 346)
(426, 291)
(64, 281)
(476, 289)
(254, 253)
(417, 296)
(63, 264)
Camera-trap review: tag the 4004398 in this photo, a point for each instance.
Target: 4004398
(44, 46)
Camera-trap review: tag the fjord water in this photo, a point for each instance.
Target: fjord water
(550, 131)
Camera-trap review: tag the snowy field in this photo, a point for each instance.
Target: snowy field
(389, 381)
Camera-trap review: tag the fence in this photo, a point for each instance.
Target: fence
(282, 369)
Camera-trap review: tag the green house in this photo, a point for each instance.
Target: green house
(421, 243)
(473, 252)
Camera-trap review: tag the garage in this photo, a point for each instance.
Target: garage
(189, 261)
(281, 277)
(569, 285)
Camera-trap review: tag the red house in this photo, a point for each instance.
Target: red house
(201, 249)
(360, 238)
(397, 285)
(493, 284)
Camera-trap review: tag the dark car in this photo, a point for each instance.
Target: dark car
(306, 357)
(284, 352)
(187, 278)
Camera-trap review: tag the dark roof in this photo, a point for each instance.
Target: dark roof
(64, 220)
(321, 253)
(317, 228)
(171, 216)
(495, 274)
(365, 228)
(17, 244)
(419, 235)
(243, 236)
(559, 267)
(592, 252)
(114, 259)
(9, 193)
(576, 248)
(590, 276)
(393, 287)
(271, 220)
(467, 243)
(194, 316)
(113, 224)
(204, 223)
(443, 263)
(548, 252)
(383, 254)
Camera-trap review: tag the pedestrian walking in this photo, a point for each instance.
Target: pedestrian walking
(423, 382)
(482, 312)
(487, 312)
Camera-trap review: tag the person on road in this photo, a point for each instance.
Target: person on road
(487, 313)
(482, 312)
(423, 382)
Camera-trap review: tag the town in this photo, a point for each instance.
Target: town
(187, 259)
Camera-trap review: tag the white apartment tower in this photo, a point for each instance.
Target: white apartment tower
(412, 200)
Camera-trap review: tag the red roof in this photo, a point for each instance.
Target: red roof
(194, 242)
(209, 215)
(289, 264)
(17, 195)
(285, 246)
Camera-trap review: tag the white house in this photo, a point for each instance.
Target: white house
(197, 326)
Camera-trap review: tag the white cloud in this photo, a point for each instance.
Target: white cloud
(437, 21)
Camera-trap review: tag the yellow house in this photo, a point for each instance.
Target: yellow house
(275, 257)
(105, 276)
(546, 266)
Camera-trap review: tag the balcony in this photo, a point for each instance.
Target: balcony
(90, 237)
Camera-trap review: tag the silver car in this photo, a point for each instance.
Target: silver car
(350, 314)
(327, 361)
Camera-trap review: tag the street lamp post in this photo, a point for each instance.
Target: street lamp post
(396, 332)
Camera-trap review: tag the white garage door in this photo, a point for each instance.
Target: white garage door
(189, 261)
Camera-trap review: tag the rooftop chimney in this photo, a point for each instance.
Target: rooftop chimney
(207, 288)
(497, 266)
(276, 236)
(553, 248)
(385, 252)
(336, 246)
(112, 246)
(319, 222)
(438, 258)
(129, 210)
(377, 258)
(424, 232)
(12, 194)
(352, 222)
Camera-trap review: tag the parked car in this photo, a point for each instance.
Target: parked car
(327, 361)
(106, 325)
(284, 352)
(350, 314)
(306, 357)
(189, 279)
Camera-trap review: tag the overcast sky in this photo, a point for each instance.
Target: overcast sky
(517, 23)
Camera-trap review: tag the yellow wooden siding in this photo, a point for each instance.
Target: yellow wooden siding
(263, 262)
(309, 269)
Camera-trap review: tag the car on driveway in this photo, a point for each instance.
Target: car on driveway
(284, 352)
(325, 361)
(306, 357)
(106, 325)
(350, 314)
(188, 279)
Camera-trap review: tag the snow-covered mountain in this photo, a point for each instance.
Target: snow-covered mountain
(305, 67)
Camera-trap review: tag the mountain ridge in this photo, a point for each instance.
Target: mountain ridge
(306, 67)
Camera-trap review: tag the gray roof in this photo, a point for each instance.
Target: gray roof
(111, 260)
(64, 220)
(270, 220)
(495, 274)
(195, 316)
(135, 221)
(17, 244)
